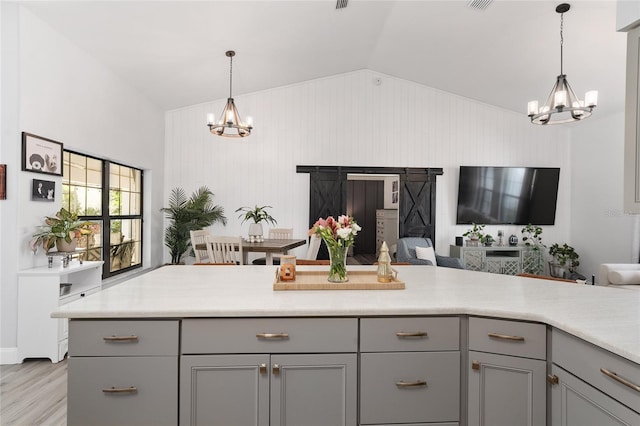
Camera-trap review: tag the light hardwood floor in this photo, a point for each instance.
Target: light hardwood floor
(34, 393)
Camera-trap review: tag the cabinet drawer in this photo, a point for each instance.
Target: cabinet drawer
(123, 338)
(409, 334)
(122, 391)
(411, 387)
(508, 337)
(592, 364)
(269, 335)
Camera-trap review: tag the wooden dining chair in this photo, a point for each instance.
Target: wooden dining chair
(314, 247)
(200, 237)
(275, 234)
(225, 249)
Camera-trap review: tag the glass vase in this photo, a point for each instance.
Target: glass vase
(337, 263)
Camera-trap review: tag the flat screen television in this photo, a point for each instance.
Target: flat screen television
(507, 195)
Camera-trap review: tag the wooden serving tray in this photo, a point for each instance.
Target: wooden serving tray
(317, 280)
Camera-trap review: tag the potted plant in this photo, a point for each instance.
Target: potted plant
(487, 240)
(188, 214)
(532, 238)
(257, 215)
(474, 234)
(564, 260)
(62, 231)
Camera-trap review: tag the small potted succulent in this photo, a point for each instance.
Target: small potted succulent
(62, 231)
(256, 214)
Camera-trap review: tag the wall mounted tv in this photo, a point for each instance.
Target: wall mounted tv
(507, 195)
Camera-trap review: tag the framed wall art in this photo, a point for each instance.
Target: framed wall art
(41, 155)
(43, 190)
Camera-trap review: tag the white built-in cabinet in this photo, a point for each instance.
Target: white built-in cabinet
(507, 372)
(386, 228)
(632, 125)
(40, 291)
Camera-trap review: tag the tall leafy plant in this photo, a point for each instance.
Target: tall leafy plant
(188, 214)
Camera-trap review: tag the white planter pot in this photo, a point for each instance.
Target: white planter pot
(255, 230)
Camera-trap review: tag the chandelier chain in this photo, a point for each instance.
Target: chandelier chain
(230, 74)
(561, 40)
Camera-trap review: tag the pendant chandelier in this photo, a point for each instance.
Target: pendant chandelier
(562, 105)
(230, 123)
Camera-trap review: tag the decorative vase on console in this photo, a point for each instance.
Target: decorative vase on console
(338, 235)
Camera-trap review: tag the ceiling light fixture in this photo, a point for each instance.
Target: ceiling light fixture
(230, 124)
(562, 106)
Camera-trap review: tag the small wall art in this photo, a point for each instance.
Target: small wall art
(43, 190)
(41, 155)
(3, 181)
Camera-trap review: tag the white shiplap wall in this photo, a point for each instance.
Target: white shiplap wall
(348, 119)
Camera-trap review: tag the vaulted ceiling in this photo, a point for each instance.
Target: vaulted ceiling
(504, 55)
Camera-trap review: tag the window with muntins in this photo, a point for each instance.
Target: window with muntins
(109, 195)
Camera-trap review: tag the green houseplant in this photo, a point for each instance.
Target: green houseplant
(564, 258)
(256, 214)
(188, 214)
(532, 238)
(475, 234)
(62, 231)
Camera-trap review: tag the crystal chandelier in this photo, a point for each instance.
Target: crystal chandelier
(562, 105)
(230, 124)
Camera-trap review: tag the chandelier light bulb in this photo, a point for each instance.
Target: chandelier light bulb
(591, 98)
(532, 108)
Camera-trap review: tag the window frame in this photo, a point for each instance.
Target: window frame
(106, 217)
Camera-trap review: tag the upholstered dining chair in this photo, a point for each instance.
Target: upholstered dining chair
(407, 253)
(200, 237)
(275, 234)
(225, 249)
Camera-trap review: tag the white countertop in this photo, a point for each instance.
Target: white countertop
(607, 317)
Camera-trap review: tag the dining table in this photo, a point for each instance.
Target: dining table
(269, 247)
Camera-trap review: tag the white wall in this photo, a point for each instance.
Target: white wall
(600, 231)
(348, 120)
(63, 94)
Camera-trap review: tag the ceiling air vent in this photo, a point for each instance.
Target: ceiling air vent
(479, 4)
(341, 4)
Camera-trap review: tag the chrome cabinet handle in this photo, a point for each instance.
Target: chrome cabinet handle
(112, 389)
(276, 369)
(475, 365)
(417, 383)
(506, 337)
(263, 368)
(131, 338)
(619, 379)
(402, 334)
(552, 379)
(272, 335)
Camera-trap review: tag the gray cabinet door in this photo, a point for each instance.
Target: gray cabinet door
(224, 390)
(314, 390)
(574, 402)
(506, 391)
(122, 391)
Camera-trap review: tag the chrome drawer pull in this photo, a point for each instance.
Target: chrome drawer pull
(272, 335)
(417, 383)
(622, 380)
(411, 334)
(552, 379)
(475, 365)
(263, 368)
(112, 389)
(276, 369)
(506, 337)
(132, 338)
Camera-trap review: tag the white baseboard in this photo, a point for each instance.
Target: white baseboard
(9, 356)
